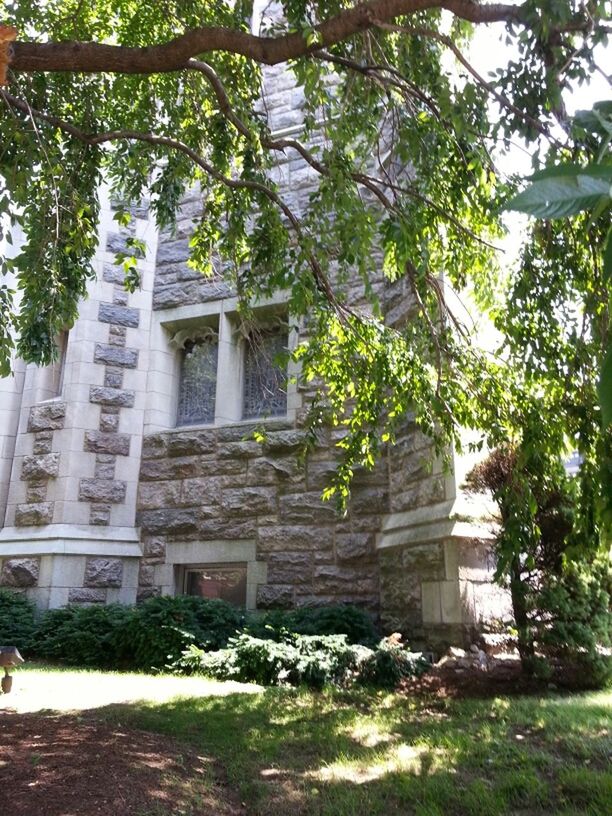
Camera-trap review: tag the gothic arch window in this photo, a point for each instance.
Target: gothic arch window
(265, 374)
(198, 378)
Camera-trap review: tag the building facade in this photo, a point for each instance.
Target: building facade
(128, 468)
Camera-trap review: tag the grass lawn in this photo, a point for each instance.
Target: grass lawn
(294, 752)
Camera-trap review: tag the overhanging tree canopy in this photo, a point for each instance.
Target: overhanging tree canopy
(159, 96)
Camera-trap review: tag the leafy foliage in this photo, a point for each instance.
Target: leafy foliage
(347, 620)
(159, 629)
(575, 623)
(311, 660)
(17, 620)
(407, 190)
(84, 636)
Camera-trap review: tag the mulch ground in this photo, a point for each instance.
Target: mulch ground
(67, 765)
(471, 683)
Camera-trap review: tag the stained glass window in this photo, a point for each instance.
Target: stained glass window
(265, 377)
(198, 382)
(225, 581)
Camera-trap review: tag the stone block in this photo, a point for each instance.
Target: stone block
(338, 580)
(248, 501)
(109, 423)
(107, 491)
(214, 528)
(101, 395)
(103, 469)
(270, 596)
(103, 572)
(113, 377)
(36, 492)
(155, 446)
(238, 450)
(290, 568)
(171, 521)
(44, 466)
(424, 560)
(116, 242)
(306, 508)
(119, 315)
(191, 444)
(146, 575)
(99, 515)
(154, 547)
(172, 252)
(117, 444)
(282, 537)
(42, 442)
(354, 546)
(205, 492)
(110, 355)
(154, 495)
(145, 593)
(431, 602)
(289, 441)
(83, 595)
(20, 572)
(48, 417)
(34, 514)
(269, 471)
(113, 273)
(182, 467)
(366, 500)
(120, 298)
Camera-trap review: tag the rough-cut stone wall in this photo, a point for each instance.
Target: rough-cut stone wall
(215, 485)
(41, 465)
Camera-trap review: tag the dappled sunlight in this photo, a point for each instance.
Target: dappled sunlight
(370, 734)
(39, 690)
(419, 760)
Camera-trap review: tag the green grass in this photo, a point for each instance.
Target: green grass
(331, 754)
(295, 752)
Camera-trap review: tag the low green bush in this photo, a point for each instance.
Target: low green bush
(575, 626)
(390, 663)
(160, 629)
(148, 636)
(348, 620)
(85, 635)
(311, 660)
(17, 620)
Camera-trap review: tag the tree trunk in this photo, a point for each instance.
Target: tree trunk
(518, 593)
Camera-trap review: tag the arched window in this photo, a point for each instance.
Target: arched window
(265, 374)
(198, 380)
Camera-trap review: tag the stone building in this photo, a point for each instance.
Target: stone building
(127, 468)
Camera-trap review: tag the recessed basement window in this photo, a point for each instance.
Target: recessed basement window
(228, 582)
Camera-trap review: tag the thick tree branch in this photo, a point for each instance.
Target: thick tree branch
(90, 57)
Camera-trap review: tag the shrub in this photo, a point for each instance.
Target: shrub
(17, 621)
(312, 660)
(162, 628)
(576, 623)
(347, 620)
(85, 635)
(390, 663)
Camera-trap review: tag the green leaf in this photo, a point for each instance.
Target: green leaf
(607, 258)
(605, 388)
(564, 190)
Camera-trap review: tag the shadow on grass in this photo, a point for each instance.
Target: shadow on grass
(292, 752)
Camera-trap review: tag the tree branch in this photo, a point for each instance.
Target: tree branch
(91, 57)
(322, 283)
